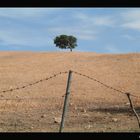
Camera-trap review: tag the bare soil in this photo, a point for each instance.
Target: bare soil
(92, 107)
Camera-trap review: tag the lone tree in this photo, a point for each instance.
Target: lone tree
(65, 42)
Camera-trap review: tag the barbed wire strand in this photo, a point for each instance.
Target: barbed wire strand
(48, 78)
(31, 84)
(135, 95)
(40, 98)
(107, 86)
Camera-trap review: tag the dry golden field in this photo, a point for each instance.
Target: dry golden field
(92, 107)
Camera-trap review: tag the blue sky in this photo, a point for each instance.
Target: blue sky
(101, 30)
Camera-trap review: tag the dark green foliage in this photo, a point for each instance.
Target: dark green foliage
(65, 42)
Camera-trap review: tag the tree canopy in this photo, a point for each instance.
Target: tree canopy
(65, 42)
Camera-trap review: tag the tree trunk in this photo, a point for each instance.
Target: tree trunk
(70, 49)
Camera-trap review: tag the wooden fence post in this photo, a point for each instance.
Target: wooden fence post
(133, 109)
(65, 107)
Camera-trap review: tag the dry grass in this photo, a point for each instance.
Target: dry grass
(92, 107)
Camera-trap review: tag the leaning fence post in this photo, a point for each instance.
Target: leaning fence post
(65, 107)
(133, 109)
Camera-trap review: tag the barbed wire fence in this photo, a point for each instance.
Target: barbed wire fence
(128, 95)
(119, 91)
(29, 85)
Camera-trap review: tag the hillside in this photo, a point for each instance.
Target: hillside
(121, 71)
